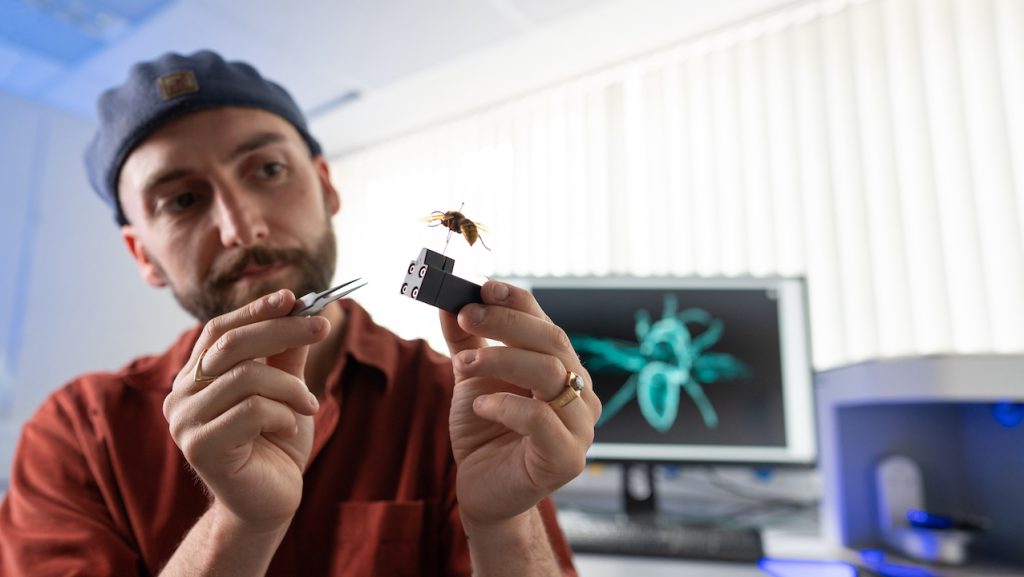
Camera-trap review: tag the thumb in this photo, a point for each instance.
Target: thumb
(458, 339)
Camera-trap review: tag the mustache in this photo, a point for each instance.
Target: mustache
(232, 269)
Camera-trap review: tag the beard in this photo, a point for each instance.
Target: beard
(218, 294)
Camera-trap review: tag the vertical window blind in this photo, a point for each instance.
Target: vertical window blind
(874, 147)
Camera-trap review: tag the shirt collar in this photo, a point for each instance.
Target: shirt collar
(367, 342)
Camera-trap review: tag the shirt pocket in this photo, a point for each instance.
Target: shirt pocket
(382, 539)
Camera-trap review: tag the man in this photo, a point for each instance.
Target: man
(262, 443)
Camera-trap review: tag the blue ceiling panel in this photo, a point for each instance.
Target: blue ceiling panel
(133, 11)
(41, 33)
(68, 31)
(43, 42)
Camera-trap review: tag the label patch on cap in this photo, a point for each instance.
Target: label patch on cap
(177, 83)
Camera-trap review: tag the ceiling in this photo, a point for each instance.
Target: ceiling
(364, 71)
(65, 52)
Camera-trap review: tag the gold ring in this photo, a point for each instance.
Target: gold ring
(197, 374)
(573, 385)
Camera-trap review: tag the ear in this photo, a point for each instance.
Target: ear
(331, 197)
(147, 268)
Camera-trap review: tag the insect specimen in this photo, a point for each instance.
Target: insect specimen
(668, 358)
(457, 222)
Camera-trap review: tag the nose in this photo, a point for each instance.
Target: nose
(240, 221)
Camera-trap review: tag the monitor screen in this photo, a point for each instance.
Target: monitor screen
(692, 370)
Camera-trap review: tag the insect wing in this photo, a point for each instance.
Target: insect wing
(434, 217)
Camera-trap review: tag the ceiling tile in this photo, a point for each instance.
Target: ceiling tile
(543, 12)
(373, 42)
(184, 28)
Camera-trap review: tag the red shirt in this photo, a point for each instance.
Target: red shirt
(98, 486)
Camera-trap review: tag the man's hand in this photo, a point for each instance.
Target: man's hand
(513, 448)
(249, 432)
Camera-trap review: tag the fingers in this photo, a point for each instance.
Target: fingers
(525, 369)
(242, 393)
(537, 357)
(504, 294)
(511, 315)
(274, 305)
(245, 380)
(544, 375)
(493, 292)
(237, 427)
(227, 350)
(534, 419)
(260, 329)
(264, 339)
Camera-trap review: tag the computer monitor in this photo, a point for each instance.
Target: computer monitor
(692, 370)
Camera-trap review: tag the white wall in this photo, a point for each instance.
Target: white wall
(85, 307)
(592, 39)
(875, 147)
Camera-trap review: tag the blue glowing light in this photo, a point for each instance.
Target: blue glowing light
(872, 556)
(803, 568)
(924, 519)
(1008, 414)
(875, 560)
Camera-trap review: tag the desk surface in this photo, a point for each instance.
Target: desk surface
(780, 545)
(777, 545)
(612, 566)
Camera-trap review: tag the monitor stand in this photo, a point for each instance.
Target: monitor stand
(639, 492)
(646, 532)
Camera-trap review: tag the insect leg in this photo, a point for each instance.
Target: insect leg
(447, 240)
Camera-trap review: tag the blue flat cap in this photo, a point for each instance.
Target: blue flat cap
(168, 88)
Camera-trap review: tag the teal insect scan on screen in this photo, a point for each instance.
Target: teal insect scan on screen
(692, 370)
(673, 355)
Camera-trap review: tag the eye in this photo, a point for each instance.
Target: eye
(183, 201)
(178, 203)
(270, 170)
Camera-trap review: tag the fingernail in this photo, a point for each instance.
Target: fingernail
(500, 292)
(477, 314)
(316, 324)
(468, 357)
(313, 402)
(275, 299)
(479, 402)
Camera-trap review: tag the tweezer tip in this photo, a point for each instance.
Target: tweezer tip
(335, 288)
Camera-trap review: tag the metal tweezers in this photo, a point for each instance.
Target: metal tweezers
(314, 303)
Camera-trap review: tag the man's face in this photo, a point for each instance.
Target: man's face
(226, 205)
